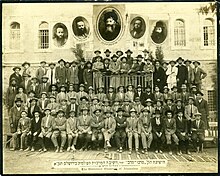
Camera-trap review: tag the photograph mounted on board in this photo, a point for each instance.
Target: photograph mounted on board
(80, 27)
(60, 34)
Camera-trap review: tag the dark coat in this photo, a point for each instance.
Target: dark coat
(181, 126)
(182, 74)
(122, 123)
(204, 110)
(80, 74)
(10, 96)
(36, 127)
(69, 108)
(141, 96)
(161, 75)
(60, 73)
(157, 128)
(18, 78)
(30, 114)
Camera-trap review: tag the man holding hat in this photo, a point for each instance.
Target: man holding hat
(41, 71)
(72, 131)
(182, 74)
(97, 124)
(120, 134)
(203, 108)
(16, 75)
(190, 78)
(199, 75)
(84, 127)
(198, 132)
(51, 73)
(133, 130)
(108, 129)
(46, 129)
(60, 72)
(171, 73)
(59, 129)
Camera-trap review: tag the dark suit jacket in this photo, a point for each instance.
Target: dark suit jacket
(23, 85)
(60, 73)
(141, 96)
(80, 74)
(199, 75)
(44, 89)
(37, 90)
(201, 128)
(112, 97)
(69, 108)
(202, 107)
(170, 126)
(157, 128)
(36, 127)
(30, 114)
(173, 108)
(18, 78)
(182, 73)
(181, 126)
(106, 70)
(95, 126)
(10, 96)
(159, 74)
(122, 123)
(136, 34)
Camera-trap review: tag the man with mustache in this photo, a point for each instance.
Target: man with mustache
(137, 31)
(112, 27)
(81, 32)
(159, 34)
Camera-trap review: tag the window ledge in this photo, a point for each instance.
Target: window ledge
(43, 51)
(180, 48)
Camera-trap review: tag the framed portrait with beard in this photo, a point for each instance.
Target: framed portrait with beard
(81, 28)
(159, 31)
(109, 24)
(137, 27)
(60, 34)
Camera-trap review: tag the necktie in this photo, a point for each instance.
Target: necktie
(47, 121)
(132, 123)
(51, 76)
(197, 124)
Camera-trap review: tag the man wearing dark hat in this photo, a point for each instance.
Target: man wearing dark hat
(182, 132)
(11, 93)
(199, 75)
(129, 57)
(137, 31)
(44, 84)
(159, 76)
(159, 33)
(108, 129)
(203, 108)
(107, 53)
(26, 82)
(190, 78)
(16, 75)
(97, 124)
(43, 101)
(111, 27)
(84, 127)
(182, 74)
(170, 131)
(60, 72)
(72, 106)
(34, 86)
(14, 114)
(33, 107)
(169, 106)
(120, 134)
(51, 73)
(171, 74)
(46, 129)
(198, 132)
(59, 129)
(139, 93)
(26, 68)
(41, 71)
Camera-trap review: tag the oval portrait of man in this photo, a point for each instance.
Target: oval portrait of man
(109, 24)
(60, 34)
(80, 27)
(159, 32)
(137, 27)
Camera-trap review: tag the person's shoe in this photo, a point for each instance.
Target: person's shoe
(73, 148)
(98, 148)
(81, 149)
(21, 149)
(45, 149)
(129, 152)
(57, 150)
(181, 152)
(146, 151)
(61, 149)
(188, 152)
(40, 150)
(120, 150)
(160, 151)
(108, 144)
(27, 149)
(68, 149)
(106, 150)
(137, 152)
(156, 151)
(32, 149)
(170, 153)
(178, 153)
(12, 149)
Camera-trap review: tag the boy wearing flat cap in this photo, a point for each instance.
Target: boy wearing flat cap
(59, 129)
(26, 68)
(60, 73)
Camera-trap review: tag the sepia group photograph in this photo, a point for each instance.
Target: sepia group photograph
(110, 87)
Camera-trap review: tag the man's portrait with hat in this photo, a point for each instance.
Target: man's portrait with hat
(159, 32)
(109, 24)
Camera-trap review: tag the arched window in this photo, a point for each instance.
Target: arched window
(15, 36)
(208, 32)
(43, 35)
(179, 33)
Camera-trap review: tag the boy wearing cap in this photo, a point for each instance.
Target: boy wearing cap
(184, 94)
(41, 71)
(108, 129)
(126, 106)
(158, 131)
(97, 124)
(166, 94)
(182, 74)
(24, 126)
(10, 94)
(157, 94)
(120, 95)
(101, 95)
(170, 131)
(148, 94)
(203, 108)
(175, 94)
(84, 128)
(111, 94)
(60, 73)
(72, 130)
(46, 129)
(130, 93)
(182, 131)
(95, 104)
(34, 132)
(88, 75)
(169, 106)
(198, 132)
(53, 90)
(129, 57)
(146, 130)
(84, 103)
(26, 82)
(81, 93)
(53, 106)
(43, 101)
(107, 53)
(179, 106)
(149, 106)
(20, 94)
(51, 73)
(133, 130)
(137, 105)
(159, 106)
(115, 106)
(63, 105)
(91, 93)
(71, 92)
(62, 94)
(59, 129)
(139, 93)
(73, 106)
(16, 75)
(171, 73)
(120, 134)
(106, 106)
(44, 85)
(73, 79)
(199, 75)
(114, 67)
(68, 72)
